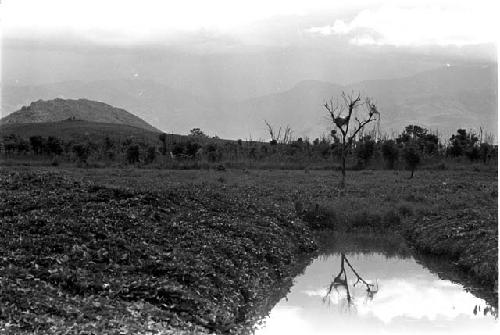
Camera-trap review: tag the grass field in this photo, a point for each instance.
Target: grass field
(134, 250)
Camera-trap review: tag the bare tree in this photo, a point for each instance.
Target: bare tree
(341, 281)
(274, 137)
(283, 138)
(287, 135)
(347, 118)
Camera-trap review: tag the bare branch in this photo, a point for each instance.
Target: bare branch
(270, 129)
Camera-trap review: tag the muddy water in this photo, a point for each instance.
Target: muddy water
(380, 289)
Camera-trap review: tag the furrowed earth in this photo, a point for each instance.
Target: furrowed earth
(117, 251)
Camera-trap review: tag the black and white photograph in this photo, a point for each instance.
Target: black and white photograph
(264, 167)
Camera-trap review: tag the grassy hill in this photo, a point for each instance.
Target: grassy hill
(81, 109)
(78, 130)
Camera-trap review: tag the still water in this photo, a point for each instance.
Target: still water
(355, 288)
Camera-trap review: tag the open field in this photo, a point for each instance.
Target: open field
(133, 250)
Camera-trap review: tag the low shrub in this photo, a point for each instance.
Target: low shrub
(391, 218)
(320, 217)
(405, 210)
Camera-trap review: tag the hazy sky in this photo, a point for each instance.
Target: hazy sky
(366, 22)
(285, 40)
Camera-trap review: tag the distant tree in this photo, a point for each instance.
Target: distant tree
(196, 132)
(211, 151)
(151, 154)
(10, 143)
(191, 148)
(54, 145)
(37, 144)
(133, 154)
(23, 146)
(82, 152)
(420, 137)
(178, 149)
(365, 149)
(412, 133)
(390, 153)
(108, 143)
(473, 153)
(485, 150)
(462, 142)
(252, 153)
(163, 140)
(15, 144)
(108, 148)
(411, 156)
(349, 120)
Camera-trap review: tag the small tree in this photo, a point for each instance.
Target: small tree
(163, 139)
(349, 120)
(420, 137)
(37, 144)
(485, 152)
(82, 152)
(197, 132)
(462, 142)
(365, 150)
(412, 158)
(54, 145)
(390, 152)
(151, 155)
(133, 154)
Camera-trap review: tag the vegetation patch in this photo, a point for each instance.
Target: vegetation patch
(77, 256)
(468, 237)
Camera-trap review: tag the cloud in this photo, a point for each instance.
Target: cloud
(122, 21)
(463, 24)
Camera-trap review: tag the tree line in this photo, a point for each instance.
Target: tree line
(411, 146)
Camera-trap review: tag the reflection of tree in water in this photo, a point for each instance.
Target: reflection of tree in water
(341, 281)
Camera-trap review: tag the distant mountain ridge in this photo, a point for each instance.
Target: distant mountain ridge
(443, 99)
(82, 109)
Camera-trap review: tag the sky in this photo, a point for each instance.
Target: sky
(366, 22)
(60, 40)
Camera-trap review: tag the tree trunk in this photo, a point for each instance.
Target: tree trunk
(342, 183)
(412, 170)
(342, 167)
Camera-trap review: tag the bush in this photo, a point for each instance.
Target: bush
(411, 157)
(320, 217)
(390, 152)
(54, 145)
(405, 210)
(133, 154)
(366, 220)
(365, 150)
(82, 152)
(151, 155)
(472, 153)
(391, 218)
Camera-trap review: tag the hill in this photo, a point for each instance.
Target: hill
(82, 109)
(167, 108)
(79, 130)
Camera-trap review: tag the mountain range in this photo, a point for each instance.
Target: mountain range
(442, 99)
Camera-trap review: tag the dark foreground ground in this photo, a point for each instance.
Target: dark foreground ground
(155, 251)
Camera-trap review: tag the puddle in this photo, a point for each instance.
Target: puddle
(387, 292)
